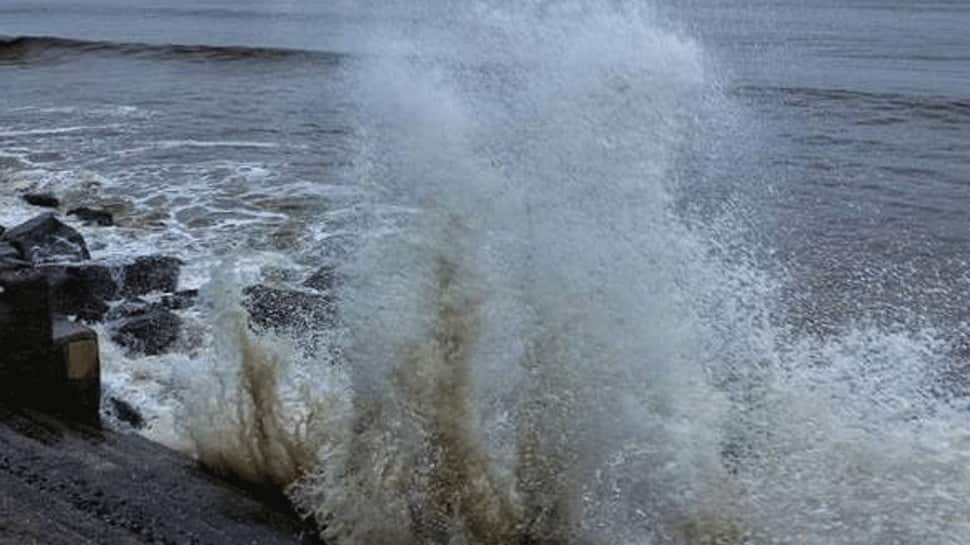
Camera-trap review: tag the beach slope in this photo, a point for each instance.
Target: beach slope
(70, 484)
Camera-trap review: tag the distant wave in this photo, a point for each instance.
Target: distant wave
(28, 49)
(926, 106)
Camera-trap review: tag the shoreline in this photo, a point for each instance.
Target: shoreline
(64, 477)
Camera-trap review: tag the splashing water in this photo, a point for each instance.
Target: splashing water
(243, 416)
(537, 348)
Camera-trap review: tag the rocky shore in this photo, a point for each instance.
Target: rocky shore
(63, 477)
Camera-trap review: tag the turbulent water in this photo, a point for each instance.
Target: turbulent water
(608, 272)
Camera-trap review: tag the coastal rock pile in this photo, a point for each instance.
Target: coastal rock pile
(86, 290)
(49, 286)
(93, 485)
(95, 291)
(45, 239)
(149, 329)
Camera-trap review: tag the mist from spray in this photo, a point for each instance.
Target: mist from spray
(527, 347)
(536, 347)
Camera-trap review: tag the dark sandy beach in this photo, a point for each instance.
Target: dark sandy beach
(64, 484)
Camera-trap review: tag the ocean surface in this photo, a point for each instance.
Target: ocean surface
(609, 271)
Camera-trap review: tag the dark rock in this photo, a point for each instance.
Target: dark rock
(10, 257)
(45, 239)
(93, 216)
(180, 300)
(81, 290)
(322, 280)
(7, 251)
(84, 289)
(13, 264)
(150, 333)
(124, 412)
(151, 273)
(46, 200)
(275, 308)
(25, 335)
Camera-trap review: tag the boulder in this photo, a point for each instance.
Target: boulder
(123, 411)
(151, 333)
(151, 273)
(92, 216)
(45, 200)
(10, 257)
(81, 289)
(84, 289)
(283, 309)
(7, 251)
(45, 239)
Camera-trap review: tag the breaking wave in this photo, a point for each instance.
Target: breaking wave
(34, 49)
(242, 417)
(534, 346)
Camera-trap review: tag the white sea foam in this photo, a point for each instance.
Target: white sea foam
(175, 144)
(56, 130)
(116, 110)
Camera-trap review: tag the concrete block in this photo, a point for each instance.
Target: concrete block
(45, 364)
(76, 368)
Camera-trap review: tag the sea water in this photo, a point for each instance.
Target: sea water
(608, 272)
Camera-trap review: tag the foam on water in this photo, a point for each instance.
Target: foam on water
(112, 111)
(175, 144)
(56, 130)
(212, 209)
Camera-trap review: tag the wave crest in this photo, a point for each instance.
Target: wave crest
(40, 49)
